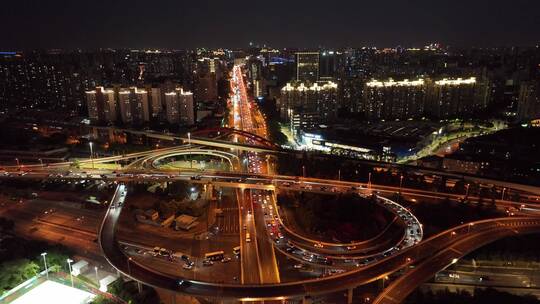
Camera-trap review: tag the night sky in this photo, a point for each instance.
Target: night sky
(306, 24)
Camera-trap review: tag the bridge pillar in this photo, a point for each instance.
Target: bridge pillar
(210, 191)
(350, 295)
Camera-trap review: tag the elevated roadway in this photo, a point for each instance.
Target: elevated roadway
(398, 290)
(495, 228)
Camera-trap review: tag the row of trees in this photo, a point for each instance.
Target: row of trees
(127, 291)
(447, 214)
(268, 107)
(520, 248)
(334, 167)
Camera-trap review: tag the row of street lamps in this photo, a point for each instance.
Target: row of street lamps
(69, 261)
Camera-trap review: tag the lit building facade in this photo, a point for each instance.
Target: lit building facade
(394, 99)
(101, 104)
(457, 97)
(529, 101)
(179, 107)
(306, 105)
(140, 105)
(206, 73)
(409, 99)
(307, 66)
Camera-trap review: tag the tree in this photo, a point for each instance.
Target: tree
(15, 272)
(76, 164)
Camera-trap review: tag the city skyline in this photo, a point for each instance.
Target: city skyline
(294, 152)
(176, 25)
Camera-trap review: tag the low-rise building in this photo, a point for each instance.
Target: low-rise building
(464, 164)
(185, 222)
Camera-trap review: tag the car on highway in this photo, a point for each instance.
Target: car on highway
(351, 247)
(225, 260)
(160, 251)
(318, 245)
(207, 263)
(187, 266)
(307, 257)
(298, 266)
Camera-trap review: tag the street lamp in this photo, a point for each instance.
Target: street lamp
(369, 180)
(18, 164)
(400, 183)
(303, 171)
(469, 227)
(69, 261)
(91, 153)
(502, 195)
(339, 174)
(384, 279)
(467, 190)
(129, 266)
(45, 262)
(189, 138)
(97, 276)
(41, 161)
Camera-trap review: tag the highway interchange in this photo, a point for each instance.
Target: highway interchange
(263, 232)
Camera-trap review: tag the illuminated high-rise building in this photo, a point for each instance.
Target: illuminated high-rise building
(254, 69)
(187, 112)
(171, 108)
(409, 99)
(109, 100)
(306, 105)
(529, 101)
(101, 104)
(206, 73)
(393, 99)
(457, 97)
(92, 105)
(307, 66)
(124, 100)
(140, 106)
(156, 102)
(179, 107)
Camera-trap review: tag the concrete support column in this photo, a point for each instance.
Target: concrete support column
(349, 296)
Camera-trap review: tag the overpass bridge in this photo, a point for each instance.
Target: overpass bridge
(461, 239)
